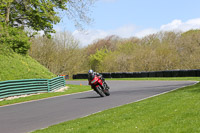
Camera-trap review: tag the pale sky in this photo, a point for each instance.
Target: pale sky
(128, 18)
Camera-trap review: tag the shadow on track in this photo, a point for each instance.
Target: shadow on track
(92, 97)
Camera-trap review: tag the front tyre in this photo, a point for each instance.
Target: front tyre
(99, 91)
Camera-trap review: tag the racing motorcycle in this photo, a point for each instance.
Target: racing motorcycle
(99, 86)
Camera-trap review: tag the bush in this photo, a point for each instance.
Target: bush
(15, 38)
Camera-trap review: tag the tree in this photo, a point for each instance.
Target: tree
(42, 14)
(109, 42)
(189, 49)
(78, 11)
(97, 58)
(15, 38)
(61, 54)
(5, 10)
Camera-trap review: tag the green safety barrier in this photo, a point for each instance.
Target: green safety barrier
(29, 86)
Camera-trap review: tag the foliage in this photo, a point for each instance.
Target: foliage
(78, 11)
(37, 14)
(43, 14)
(15, 38)
(109, 43)
(4, 10)
(97, 58)
(161, 51)
(61, 54)
(189, 49)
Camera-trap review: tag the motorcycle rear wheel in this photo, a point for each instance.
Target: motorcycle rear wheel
(106, 92)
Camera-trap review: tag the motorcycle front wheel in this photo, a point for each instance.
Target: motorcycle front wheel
(99, 91)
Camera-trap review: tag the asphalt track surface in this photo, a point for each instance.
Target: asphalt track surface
(26, 117)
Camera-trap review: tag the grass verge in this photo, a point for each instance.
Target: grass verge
(177, 111)
(72, 89)
(14, 66)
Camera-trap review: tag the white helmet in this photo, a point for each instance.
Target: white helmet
(90, 71)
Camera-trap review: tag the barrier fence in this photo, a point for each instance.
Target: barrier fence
(29, 86)
(168, 73)
(56, 83)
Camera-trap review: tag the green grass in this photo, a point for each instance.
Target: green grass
(15, 66)
(71, 89)
(174, 112)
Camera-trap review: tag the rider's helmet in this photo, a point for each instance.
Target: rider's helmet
(90, 74)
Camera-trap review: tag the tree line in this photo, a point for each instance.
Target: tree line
(62, 54)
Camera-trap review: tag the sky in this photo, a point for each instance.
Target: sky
(135, 18)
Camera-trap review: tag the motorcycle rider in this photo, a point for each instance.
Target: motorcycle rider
(91, 75)
(104, 85)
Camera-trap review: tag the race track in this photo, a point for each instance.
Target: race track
(26, 117)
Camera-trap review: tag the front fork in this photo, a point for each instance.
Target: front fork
(105, 85)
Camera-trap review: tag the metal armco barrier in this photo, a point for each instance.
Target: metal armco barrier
(168, 73)
(56, 83)
(29, 86)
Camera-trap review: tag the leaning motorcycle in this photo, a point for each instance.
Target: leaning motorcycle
(99, 86)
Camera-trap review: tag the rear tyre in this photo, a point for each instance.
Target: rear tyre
(106, 89)
(100, 92)
(107, 93)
